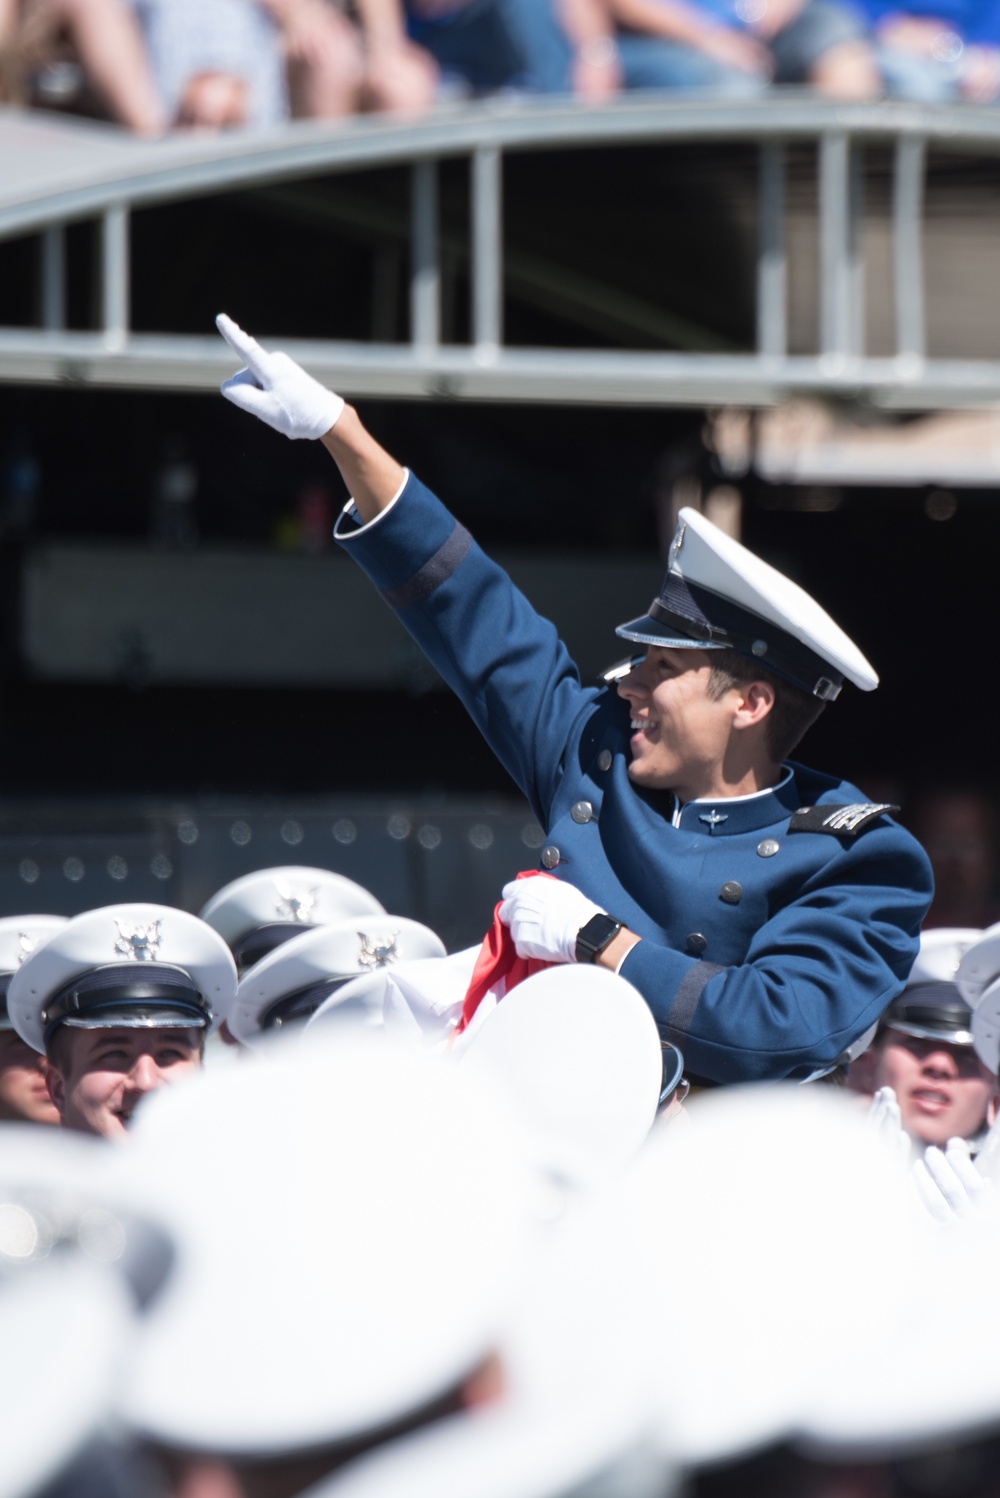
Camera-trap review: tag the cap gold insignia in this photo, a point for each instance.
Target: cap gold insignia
(379, 951)
(138, 943)
(295, 904)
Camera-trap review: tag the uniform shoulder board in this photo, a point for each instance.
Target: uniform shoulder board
(839, 821)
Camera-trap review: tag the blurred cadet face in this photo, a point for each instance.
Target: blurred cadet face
(98, 1078)
(944, 1091)
(24, 1094)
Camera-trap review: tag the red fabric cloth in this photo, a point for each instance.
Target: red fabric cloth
(498, 959)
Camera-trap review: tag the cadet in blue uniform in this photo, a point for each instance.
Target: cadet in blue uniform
(767, 913)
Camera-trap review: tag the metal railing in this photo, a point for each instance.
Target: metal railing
(486, 368)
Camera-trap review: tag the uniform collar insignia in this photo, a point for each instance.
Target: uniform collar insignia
(138, 943)
(378, 951)
(713, 818)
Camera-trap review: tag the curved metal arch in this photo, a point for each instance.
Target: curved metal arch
(57, 172)
(53, 173)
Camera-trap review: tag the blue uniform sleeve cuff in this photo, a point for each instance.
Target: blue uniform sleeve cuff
(396, 547)
(671, 983)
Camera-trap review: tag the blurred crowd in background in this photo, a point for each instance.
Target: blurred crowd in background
(158, 65)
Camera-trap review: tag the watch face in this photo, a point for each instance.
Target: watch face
(595, 935)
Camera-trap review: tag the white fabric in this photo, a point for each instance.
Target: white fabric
(545, 917)
(276, 389)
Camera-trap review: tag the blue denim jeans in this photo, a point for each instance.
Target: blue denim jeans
(650, 62)
(495, 44)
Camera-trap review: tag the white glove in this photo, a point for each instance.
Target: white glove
(951, 1188)
(544, 916)
(886, 1123)
(276, 389)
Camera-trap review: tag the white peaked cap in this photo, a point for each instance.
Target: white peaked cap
(417, 1003)
(343, 951)
(351, 1224)
(123, 946)
(717, 595)
(20, 935)
(64, 1326)
(931, 1005)
(580, 1053)
(979, 965)
(766, 1223)
(927, 1378)
(978, 980)
(941, 951)
(290, 896)
(73, 1267)
(60, 1193)
(577, 1363)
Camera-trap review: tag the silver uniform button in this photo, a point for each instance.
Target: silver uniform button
(731, 892)
(604, 760)
(768, 848)
(550, 856)
(696, 943)
(582, 811)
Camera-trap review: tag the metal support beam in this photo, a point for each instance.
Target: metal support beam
(54, 279)
(772, 260)
(839, 251)
(115, 275)
(425, 267)
(855, 256)
(908, 270)
(487, 249)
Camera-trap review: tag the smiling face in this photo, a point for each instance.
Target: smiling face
(944, 1091)
(683, 737)
(24, 1096)
(98, 1078)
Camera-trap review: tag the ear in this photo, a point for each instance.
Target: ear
(757, 700)
(56, 1084)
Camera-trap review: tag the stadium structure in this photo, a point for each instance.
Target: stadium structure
(568, 320)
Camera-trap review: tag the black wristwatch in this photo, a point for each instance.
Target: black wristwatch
(592, 938)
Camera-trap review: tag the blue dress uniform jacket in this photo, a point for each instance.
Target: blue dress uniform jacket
(765, 951)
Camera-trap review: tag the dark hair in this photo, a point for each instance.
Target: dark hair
(793, 712)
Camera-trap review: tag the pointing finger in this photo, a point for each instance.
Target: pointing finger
(248, 348)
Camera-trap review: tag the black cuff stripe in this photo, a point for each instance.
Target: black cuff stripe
(432, 574)
(688, 997)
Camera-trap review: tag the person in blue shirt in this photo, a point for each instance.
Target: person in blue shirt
(937, 51)
(767, 913)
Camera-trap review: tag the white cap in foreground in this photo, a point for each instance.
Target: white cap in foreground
(351, 1223)
(580, 1054)
(766, 1224)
